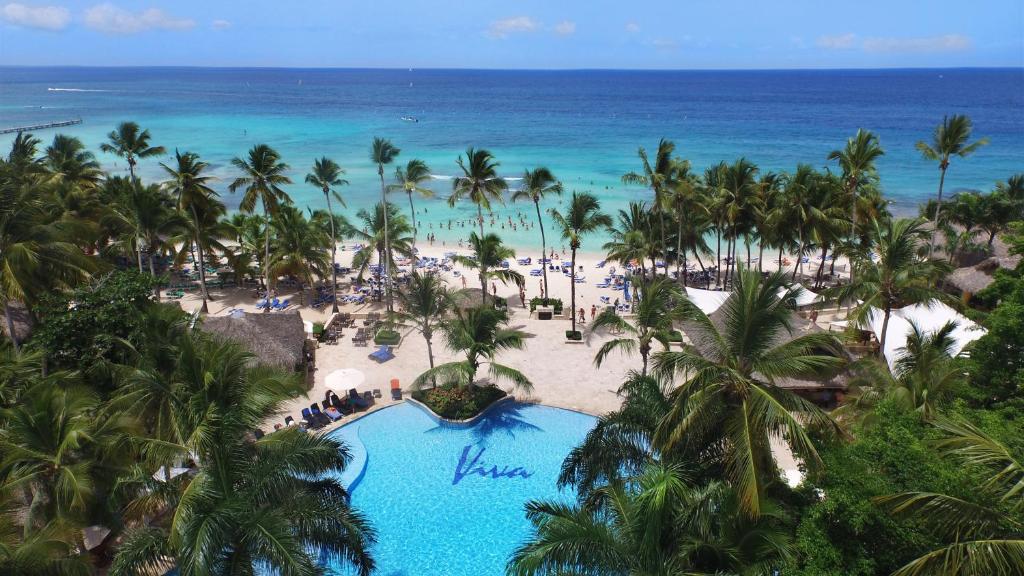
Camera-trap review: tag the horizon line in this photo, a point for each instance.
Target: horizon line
(485, 69)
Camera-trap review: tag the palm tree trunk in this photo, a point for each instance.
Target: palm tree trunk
(718, 251)
(412, 214)
(138, 252)
(387, 239)
(799, 256)
(938, 209)
(202, 264)
(680, 258)
(152, 272)
(334, 253)
(572, 290)
(10, 326)
(483, 286)
(266, 252)
(543, 246)
(480, 219)
(760, 256)
(885, 330)
(821, 267)
(780, 258)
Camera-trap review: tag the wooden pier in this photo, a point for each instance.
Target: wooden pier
(41, 126)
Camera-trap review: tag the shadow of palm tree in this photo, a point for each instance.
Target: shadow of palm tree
(505, 418)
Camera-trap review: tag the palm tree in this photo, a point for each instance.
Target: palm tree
(619, 445)
(37, 250)
(273, 503)
(729, 397)
(922, 377)
(142, 215)
(488, 255)
(738, 189)
(424, 304)
(263, 175)
(383, 152)
(197, 201)
(537, 185)
(654, 312)
(983, 539)
(481, 334)
(857, 163)
(632, 238)
(56, 449)
(583, 217)
(375, 241)
(657, 524)
(658, 177)
(128, 142)
(949, 139)
(409, 180)
(899, 277)
(298, 248)
(70, 164)
(327, 175)
(479, 182)
(689, 212)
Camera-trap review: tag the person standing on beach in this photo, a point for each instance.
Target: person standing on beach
(593, 312)
(583, 315)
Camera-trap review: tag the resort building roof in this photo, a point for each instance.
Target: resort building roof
(276, 338)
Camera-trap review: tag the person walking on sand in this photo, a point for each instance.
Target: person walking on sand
(583, 315)
(463, 282)
(593, 312)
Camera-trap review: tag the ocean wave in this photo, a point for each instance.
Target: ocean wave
(74, 90)
(441, 177)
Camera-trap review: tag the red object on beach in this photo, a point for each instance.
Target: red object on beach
(394, 384)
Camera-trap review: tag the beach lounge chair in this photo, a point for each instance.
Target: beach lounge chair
(604, 284)
(281, 305)
(311, 420)
(606, 300)
(382, 354)
(356, 400)
(317, 413)
(396, 389)
(601, 264)
(332, 413)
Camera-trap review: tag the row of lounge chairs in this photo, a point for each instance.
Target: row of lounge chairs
(274, 304)
(382, 354)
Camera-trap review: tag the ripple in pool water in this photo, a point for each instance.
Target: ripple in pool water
(449, 501)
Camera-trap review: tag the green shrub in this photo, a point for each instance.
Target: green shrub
(388, 337)
(554, 302)
(675, 336)
(573, 335)
(456, 402)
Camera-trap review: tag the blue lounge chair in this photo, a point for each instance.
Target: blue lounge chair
(382, 355)
(261, 303)
(357, 400)
(311, 420)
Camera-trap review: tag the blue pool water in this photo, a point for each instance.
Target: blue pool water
(431, 521)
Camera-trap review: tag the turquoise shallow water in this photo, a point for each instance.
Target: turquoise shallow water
(430, 520)
(584, 125)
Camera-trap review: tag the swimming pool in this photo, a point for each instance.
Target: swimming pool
(449, 500)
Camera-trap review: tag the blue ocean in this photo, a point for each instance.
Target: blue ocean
(585, 126)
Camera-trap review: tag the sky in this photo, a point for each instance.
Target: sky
(540, 34)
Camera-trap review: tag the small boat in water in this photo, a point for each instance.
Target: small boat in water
(410, 119)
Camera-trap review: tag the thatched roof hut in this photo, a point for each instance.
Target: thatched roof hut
(275, 338)
(800, 327)
(973, 279)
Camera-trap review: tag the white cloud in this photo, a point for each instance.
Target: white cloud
(514, 25)
(565, 28)
(632, 27)
(220, 24)
(946, 43)
(665, 43)
(42, 17)
(839, 42)
(111, 19)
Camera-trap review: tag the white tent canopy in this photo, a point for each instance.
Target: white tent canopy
(707, 300)
(804, 297)
(710, 301)
(928, 318)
